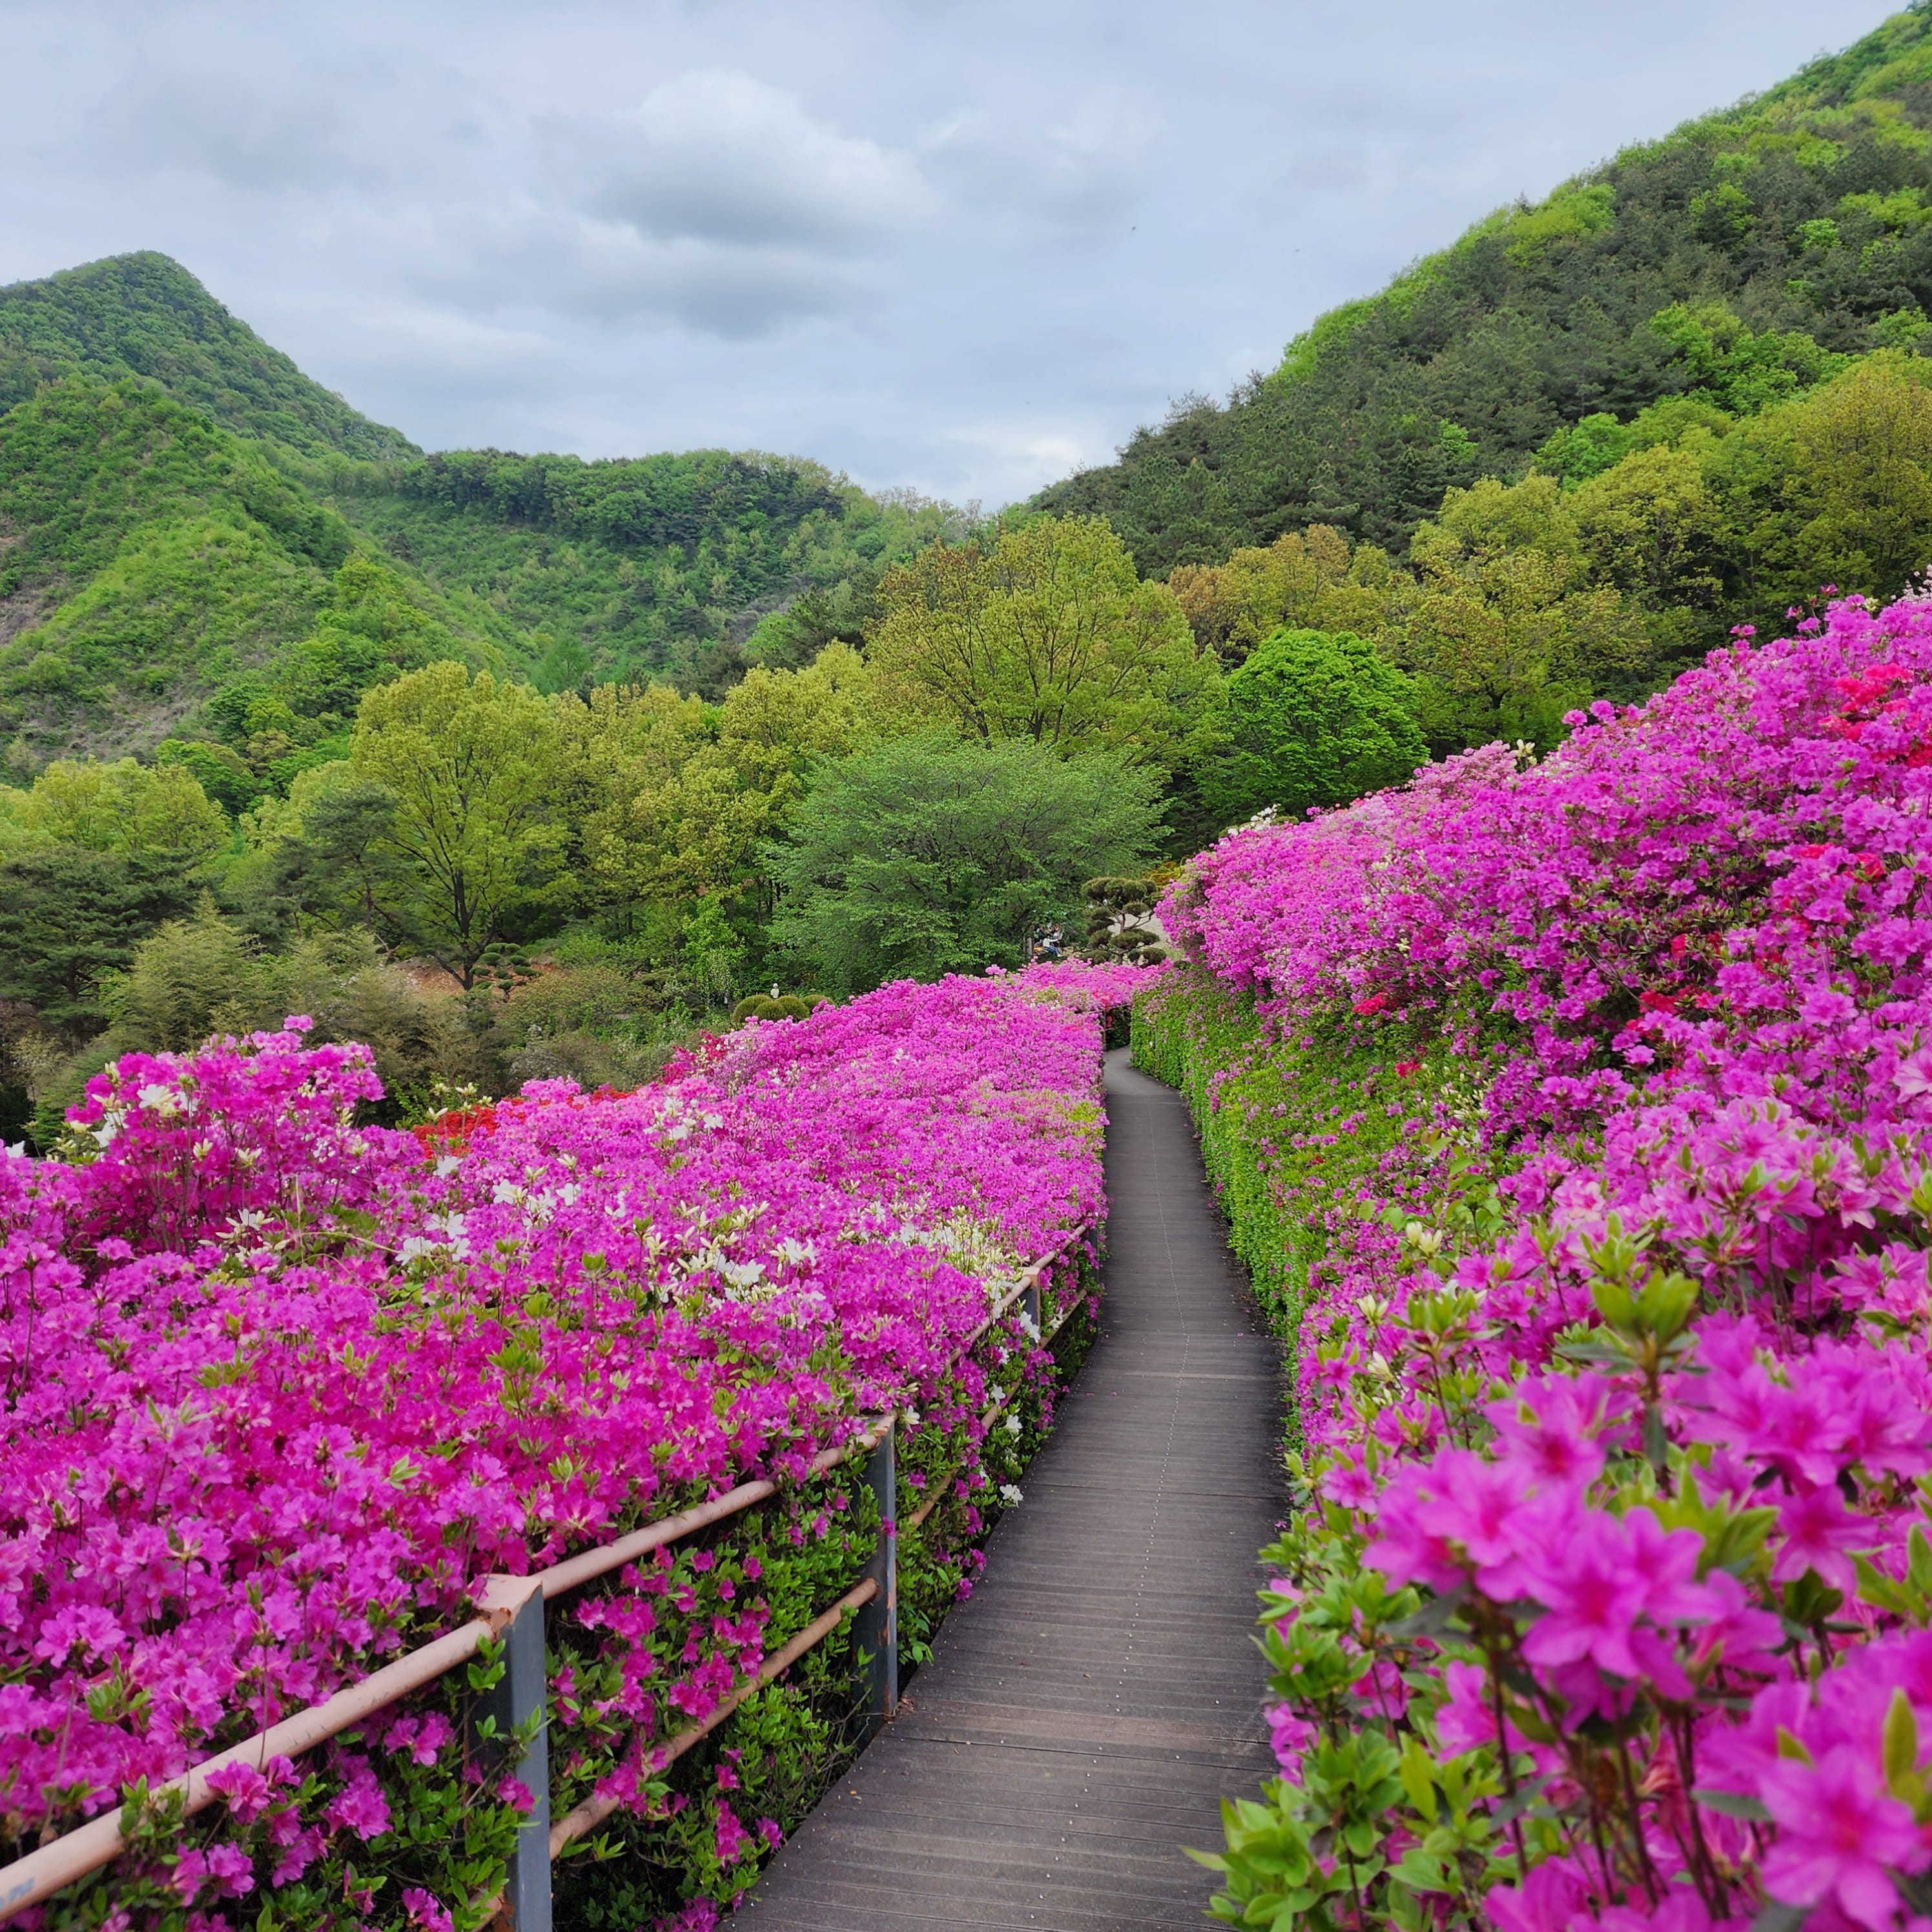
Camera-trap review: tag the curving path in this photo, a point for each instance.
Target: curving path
(1088, 1707)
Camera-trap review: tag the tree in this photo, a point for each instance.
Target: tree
(650, 817)
(1848, 497)
(1653, 526)
(668, 798)
(471, 765)
(1309, 578)
(927, 855)
(1311, 718)
(338, 865)
(791, 639)
(1120, 919)
(1504, 628)
(1048, 636)
(776, 722)
(126, 807)
(70, 916)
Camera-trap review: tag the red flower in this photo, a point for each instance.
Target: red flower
(1373, 1004)
(1405, 1067)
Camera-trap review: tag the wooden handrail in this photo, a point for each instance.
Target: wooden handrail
(41, 1873)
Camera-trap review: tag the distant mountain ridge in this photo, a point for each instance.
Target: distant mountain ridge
(145, 315)
(1805, 212)
(200, 546)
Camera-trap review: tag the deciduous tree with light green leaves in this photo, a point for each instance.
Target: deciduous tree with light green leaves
(1048, 635)
(471, 764)
(154, 810)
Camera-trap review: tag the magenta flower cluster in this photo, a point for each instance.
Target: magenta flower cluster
(1610, 1604)
(279, 1390)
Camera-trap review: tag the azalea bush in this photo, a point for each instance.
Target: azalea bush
(281, 1389)
(1592, 1096)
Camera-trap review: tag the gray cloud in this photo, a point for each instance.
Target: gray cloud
(718, 157)
(227, 128)
(1079, 172)
(547, 258)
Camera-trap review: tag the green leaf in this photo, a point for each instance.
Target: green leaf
(1418, 1779)
(1901, 1739)
(1732, 1804)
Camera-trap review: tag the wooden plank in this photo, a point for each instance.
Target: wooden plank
(1088, 1708)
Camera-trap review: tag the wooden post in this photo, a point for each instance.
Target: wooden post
(517, 1696)
(877, 1630)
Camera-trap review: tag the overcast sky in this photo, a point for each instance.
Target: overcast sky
(962, 247)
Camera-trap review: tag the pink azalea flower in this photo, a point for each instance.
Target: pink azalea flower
(1818, 1532)
(1841, 1832)
(427, 1910)
(1550, 1897)
(1599, 1578)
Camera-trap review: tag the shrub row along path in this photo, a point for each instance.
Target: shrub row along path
(1088, 1708)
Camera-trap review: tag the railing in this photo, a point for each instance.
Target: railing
(512, 1611)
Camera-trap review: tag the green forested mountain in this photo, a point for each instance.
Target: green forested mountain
(145, 315)
(198, 544)
(158, 574)
(1728, 263)
(637, 568)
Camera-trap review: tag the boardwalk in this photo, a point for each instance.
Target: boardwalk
(1087, 1709)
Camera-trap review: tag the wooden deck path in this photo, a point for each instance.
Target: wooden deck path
(1088, 1708)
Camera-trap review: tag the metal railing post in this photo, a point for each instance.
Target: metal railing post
(877, 1630)
(1030, 1306)
(517, 1696)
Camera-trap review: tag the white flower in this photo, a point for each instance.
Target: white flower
(505, 1192)
(1009, 1494)
(1012, 1425)
(912, 1418)
(161, 1099)
(446, 1164)
(1029, 1327)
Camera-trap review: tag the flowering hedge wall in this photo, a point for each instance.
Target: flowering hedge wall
(280, 1389)
(1582, 1109)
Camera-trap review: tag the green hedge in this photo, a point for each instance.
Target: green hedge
(1321, 1142)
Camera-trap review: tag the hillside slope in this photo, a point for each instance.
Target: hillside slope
(157, 574)
(1805, 213)
(176, 496)
(143, 315)
(641, 568)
